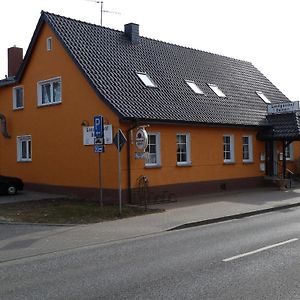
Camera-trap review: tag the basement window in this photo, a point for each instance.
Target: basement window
(146, 79)
(263, 97)
(194, 87)
(216, 90)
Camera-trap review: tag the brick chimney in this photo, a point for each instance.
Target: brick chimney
(131, 31)
(15, 58)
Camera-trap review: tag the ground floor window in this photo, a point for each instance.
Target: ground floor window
(289, 155)
(24, 148)
(247, 149)
(228, 148)
(183, 149)
(153, 150)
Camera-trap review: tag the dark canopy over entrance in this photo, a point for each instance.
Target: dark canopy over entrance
(283, 128)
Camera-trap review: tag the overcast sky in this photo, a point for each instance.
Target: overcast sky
(264, 32)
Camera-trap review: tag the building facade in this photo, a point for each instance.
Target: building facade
(205, 115)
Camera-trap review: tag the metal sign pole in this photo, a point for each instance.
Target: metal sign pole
(100, 181)
(119, 173)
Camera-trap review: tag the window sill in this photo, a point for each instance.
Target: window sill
(24, 161)
(231, 162)
(185, 164)
(49, 104)
(18, 108)
(248, 162)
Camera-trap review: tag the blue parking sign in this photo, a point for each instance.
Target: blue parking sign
(98, 126)
(99, 148)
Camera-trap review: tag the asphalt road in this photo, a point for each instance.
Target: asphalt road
(251, 258)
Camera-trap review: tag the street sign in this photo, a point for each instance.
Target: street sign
(99, 141)
(98, 126)
(283, 107)
(99, 148)
(119, 140)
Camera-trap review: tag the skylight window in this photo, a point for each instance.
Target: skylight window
(263, 97)
(194, 87)
(216, 90)
(146, 79)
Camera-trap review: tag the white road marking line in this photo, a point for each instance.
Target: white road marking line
(259, 250)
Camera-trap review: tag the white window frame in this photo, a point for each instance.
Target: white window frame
(25, 140)
(216, 90)
(231, 149)
(49, 45)
(263, 97)
(250, 148)
(194, 87)
(187, 144)
(51, 81)
(15, 107)
(289, 150)
(157, 151)
(145, 78)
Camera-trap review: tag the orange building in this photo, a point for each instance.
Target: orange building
(205, 115)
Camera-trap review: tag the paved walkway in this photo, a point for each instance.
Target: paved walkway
(188, 210)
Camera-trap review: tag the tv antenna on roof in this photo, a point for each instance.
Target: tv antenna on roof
(103, 11)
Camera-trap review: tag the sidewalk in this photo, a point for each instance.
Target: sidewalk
(191, 209)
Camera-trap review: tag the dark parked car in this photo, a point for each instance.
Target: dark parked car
(10, 185)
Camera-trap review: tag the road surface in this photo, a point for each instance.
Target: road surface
(252, 258)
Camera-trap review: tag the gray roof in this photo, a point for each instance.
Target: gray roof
(109, 61)
(282, 127)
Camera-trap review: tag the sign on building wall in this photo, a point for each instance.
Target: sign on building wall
(89, 136)
(281, 108)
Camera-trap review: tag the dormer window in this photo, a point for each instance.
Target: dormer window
(194, 87)
(263, 97)
(146, 79)
(216, 90)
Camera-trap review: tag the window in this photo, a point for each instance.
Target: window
(49, 92)
(146, 79)
(24, 148)
(228, 148)
(49, 43)
(216, 90)
(153, 150)
(194, 87)
(183, 149)
(289, 153)
(18, 97)
(247, 149)
(263, 97)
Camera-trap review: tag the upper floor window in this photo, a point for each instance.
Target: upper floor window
(18, 97)
(49, 91)
(146, 79)
(49, 43)
(24, 148)
(228, 148)
(194, 87)
(263, 97)
(247, 149)
(183, 149)
(153, 150)
(216, 90)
